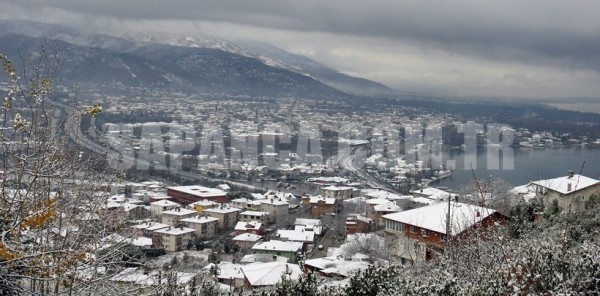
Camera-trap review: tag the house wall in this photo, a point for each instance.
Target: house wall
(357, 226)
(321, 208)
(338, 194)
(412, 243)
(573, 200)
(203, 230)
(292, 256)
(264, 219)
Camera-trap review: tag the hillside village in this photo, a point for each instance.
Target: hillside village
(252, 242)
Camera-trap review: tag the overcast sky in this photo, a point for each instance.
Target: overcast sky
(541, 48)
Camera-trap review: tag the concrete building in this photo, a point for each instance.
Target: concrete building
(337, 192)
(205, 227)
(290, 250)
(174, 239)
(173, 216)
(228, 216)
(202, 205)
(157, 207)
(249, 216)
(570, 191)
(320, 205)
(278, 210)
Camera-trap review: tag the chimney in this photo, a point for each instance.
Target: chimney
(569, 187)
(571, 173)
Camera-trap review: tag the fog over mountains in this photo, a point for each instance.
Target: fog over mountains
(197, 63)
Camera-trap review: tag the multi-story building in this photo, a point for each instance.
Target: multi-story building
(202, 205)
(157, 207)
(337, 192)
(206, 227)
(356, 223)
(174, 239)
(228, 216)
(277, 208)
(173, 217)
(254, 227)
(249, 216)
(320, 206)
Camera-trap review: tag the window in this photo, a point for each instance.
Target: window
(413, 229)
(425, 232)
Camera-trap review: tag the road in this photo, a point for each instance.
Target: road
(351, 163)
(73, 129)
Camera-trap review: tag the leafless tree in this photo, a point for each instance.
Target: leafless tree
(490, 193)
(52, 193)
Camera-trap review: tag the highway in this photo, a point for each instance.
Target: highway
(352, 163)
(73, 129)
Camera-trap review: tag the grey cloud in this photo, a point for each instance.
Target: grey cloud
(563, 35)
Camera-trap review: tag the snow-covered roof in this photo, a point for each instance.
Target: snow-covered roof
(388, 207)
(433, 217)
(199, 191)
(142, 241)
(151, 226)
(564, 183)
(204, 202)
(316, 199)
(253, 258)
(223, 210)
(140, 277)
(199, 219)
(247, 237)
(335, 265)
(296, 236)
(433, 193)
(382, 194)
(275, 201)
(229, 270)
(377, 201)
(254, 213)
(306, 221)
(269, 274)
(254, 225)
(337, 188)
(164, 203)
(175, 230)
(180, 212)
(276, 245)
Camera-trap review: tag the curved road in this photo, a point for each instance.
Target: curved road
(73, 129)
(351, 163)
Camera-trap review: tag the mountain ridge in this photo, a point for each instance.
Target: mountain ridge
(280, 73)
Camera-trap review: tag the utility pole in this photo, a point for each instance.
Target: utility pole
(448, 220)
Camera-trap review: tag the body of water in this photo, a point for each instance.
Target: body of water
(524, 165)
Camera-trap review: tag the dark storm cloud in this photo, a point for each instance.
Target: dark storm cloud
(538, 48)
(564, 34)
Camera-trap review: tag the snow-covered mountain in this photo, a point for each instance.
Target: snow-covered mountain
(241, 66)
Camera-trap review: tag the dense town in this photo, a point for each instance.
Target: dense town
(324, 215)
